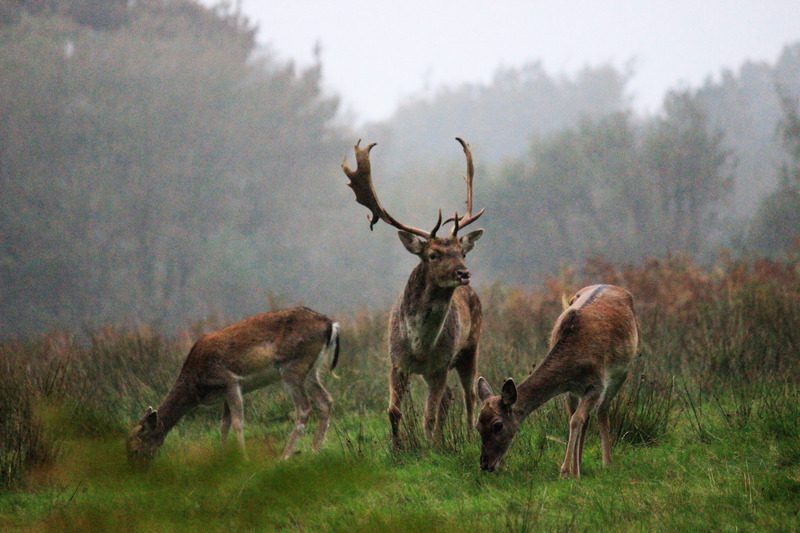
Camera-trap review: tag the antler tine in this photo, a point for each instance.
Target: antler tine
(470, 172)
(361, 183)
(468, 217)
(437, 226)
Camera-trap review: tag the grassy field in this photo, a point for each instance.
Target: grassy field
(708, 428)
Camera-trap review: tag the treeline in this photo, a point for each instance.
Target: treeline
(157, 166)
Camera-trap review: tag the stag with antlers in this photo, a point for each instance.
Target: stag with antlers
(435, 325)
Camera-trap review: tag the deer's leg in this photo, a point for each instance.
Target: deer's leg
(571, 404)
(437, 387)
(235, 405)
(577, 424)
(603, 419)
(302, 411)
(398, 385)
(467, 372)
(584, 428)
(604, 423)
(322, 403)
(225, 425)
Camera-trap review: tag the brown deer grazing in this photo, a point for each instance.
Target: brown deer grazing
(436, 323)
(286, 345)
(591, 347)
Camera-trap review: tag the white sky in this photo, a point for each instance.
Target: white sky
(376, 53)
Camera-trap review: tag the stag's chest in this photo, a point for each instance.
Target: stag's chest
(425, 342)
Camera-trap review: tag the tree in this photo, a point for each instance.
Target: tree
(775, 230)
(691, 168)
(127, 155)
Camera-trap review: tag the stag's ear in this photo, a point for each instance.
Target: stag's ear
(151, 419)
(509, 393)
(468, 241)
(484, 389)
(413, 243)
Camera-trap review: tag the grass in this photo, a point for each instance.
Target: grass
(707, 428)
(742, 479)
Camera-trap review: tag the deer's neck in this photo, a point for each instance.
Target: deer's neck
(180, 400)
(424, 308)
(543, 384)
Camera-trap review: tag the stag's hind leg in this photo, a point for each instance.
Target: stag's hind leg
(322, 403)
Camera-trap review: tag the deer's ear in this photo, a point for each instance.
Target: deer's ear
(151, 418)
(509, 393)
(484, 389)
(468, 241)
(413, 243)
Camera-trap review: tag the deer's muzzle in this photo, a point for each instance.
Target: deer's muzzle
(463, 276)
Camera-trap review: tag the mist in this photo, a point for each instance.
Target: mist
(158, 165)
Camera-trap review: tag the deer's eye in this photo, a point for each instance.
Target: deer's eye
(497, 427)
(433, 257)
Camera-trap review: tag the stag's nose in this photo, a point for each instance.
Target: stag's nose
(462, 276)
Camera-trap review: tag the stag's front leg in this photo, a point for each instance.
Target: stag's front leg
(437, 386)
(398, 384)
(467, 374)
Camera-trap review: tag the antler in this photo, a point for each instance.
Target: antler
(361, 183)
(468, 217)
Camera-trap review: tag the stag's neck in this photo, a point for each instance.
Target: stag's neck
(180, 400)
(425, 306)
(544, 383)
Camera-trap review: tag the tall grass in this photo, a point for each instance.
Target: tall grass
(716, 345)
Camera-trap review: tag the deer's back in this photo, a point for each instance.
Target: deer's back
(599, 326)
(260, 341)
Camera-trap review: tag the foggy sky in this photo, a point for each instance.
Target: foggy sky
(377, 53)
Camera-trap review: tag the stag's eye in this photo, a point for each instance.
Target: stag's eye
(433, 257)
(497, 427)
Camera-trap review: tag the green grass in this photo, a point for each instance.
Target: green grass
(741, 478)
(707, 428)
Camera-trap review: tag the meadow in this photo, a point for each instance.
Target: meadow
(707, 428)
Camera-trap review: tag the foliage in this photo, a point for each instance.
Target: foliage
(607, 187)
(775, 227)
(126, 152)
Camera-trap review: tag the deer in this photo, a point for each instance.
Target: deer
(287, 346)
(592, 346)
(435, 324)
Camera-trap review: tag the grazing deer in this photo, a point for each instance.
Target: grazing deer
(436, 323)
(286, 345)
(591, 347)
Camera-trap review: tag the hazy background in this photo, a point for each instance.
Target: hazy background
(162, 161)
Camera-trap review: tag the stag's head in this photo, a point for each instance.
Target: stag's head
(442, 257)
(496, 425)
(145, 438)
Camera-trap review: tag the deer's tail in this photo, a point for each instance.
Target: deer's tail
(333, 345)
